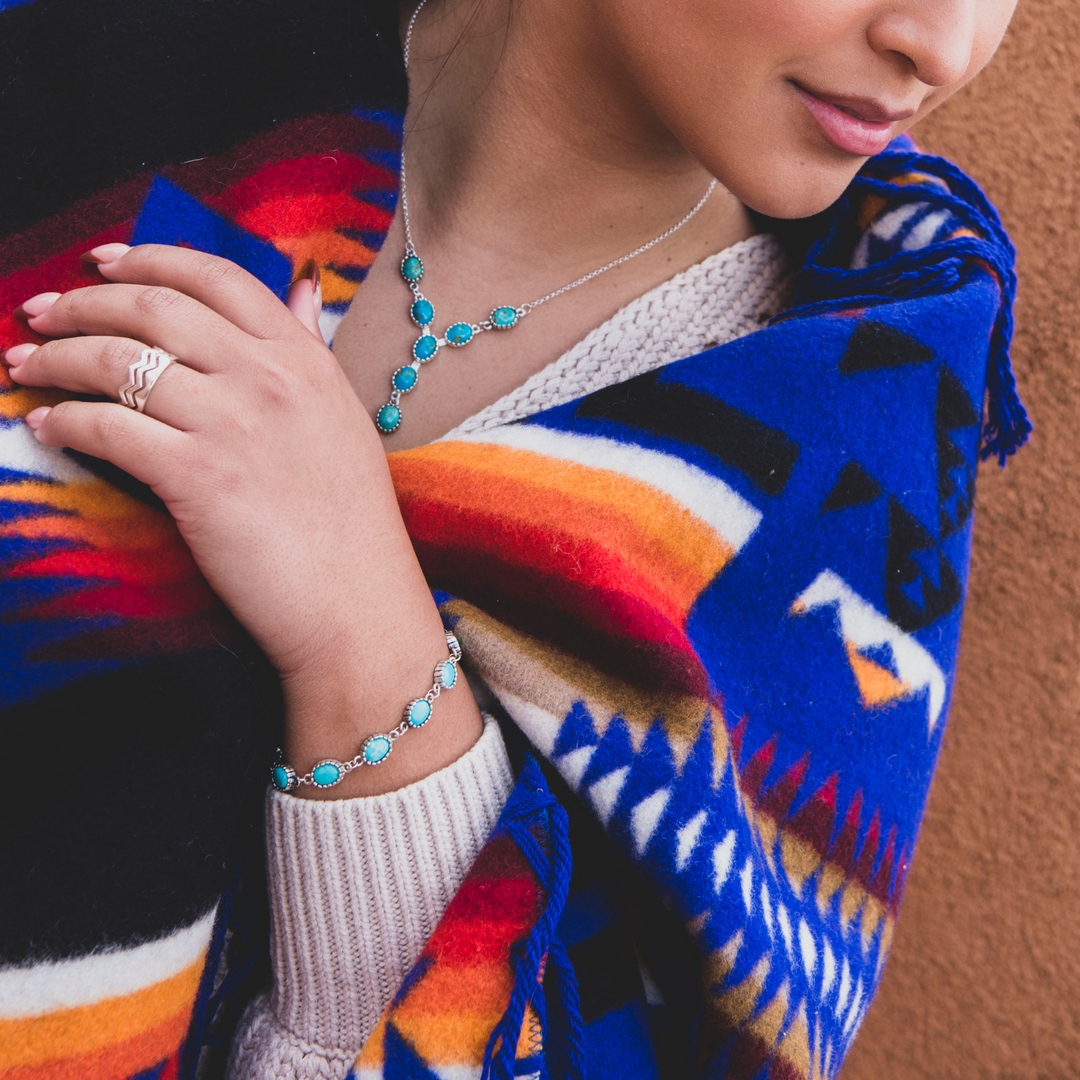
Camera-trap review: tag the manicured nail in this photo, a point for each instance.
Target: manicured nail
(38, 305)
(35, 417)
(316, 287)
(14, 357)
(105, 253)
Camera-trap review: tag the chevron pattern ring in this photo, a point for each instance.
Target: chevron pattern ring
(142, 375)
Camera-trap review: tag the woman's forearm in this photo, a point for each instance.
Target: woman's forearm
(367, 669)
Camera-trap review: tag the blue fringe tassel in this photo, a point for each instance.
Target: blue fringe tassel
(535, 810)
(210, 1004)
(821, 287)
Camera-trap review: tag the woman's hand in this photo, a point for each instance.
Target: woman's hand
(270, 465)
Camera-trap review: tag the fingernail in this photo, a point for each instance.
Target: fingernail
(104, 253)
(15, 356)
(35, 417)
(38, 305)
(316, 287)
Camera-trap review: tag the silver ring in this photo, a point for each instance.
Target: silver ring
(142, 375)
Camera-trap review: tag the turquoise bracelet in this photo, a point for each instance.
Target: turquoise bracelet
(376, 748)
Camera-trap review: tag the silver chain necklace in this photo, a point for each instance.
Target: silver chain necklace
(458, 334)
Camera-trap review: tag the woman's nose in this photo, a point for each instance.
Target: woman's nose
(937, 37)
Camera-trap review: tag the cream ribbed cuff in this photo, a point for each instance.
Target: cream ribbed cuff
(356, 888)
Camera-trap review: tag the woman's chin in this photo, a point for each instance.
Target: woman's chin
(794, 189)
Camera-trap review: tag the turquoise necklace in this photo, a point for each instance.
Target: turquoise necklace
(459, 334)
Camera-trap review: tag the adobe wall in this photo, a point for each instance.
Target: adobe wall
(984, 979)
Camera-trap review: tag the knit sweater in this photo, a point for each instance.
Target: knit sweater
(357, 886)
(718, 604)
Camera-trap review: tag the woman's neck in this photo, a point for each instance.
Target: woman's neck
(499, 87)
(529, 164)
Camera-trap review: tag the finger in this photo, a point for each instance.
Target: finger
(148, 450)
(102, 365)
(305, 302)
(219, 284)
(165, 318)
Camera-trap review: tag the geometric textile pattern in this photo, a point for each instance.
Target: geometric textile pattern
(679, 620)
(118, 658)
(115, 1013)
(721, 601)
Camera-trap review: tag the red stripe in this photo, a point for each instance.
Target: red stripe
(123, 601)
(146, 567)
(632, 604)
(304, 215)
(329, 134)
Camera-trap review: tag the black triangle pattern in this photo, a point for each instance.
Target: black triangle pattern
(912, 597)
(876, 345)
(956, 474)
(855, 487)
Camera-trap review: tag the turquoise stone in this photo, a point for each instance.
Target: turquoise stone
(449, 674)
(419, 712)
(376, 749)
(459, 334)
(422, 312)
(326, 774)
(412, 269)
(425, 347)
(502, 318)
(281, 778)
(388, 418)
(404, 379)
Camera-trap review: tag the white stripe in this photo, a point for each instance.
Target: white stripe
(925, 231)
(785, 926)
(329, 321)
(888, 225)
(540, 726)
(722, 857)
(687, 837)
(766, 906)
(865, 627)
(573, 765)
(808, 948)
(646, 816)
(705, 496)
(828, 970)
(21, 452)
(605, 792)
(68, 984)
(747, 879)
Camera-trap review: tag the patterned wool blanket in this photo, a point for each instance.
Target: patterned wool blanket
(718, 606)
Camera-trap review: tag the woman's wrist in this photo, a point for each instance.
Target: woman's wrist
(360, 688)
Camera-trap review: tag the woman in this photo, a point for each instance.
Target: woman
(711, 578)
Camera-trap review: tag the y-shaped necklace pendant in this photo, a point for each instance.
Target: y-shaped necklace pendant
(388, 418)
(427, 345)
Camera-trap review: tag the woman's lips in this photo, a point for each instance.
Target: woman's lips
(845, 130)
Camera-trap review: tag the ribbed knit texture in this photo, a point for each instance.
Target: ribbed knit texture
(357, 887)
(717, 300)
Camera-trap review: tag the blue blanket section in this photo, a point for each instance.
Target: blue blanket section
(171, 216)
(5, 4)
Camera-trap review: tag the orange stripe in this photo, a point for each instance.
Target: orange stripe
(450, 1014)
(98, 514)
(147, 531)
(655, 535)
(17, 403)
(328, 247)
(68, 1033)
(118, 1062)
(91, 498)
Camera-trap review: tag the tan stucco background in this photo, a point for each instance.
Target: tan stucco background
(984, 977)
